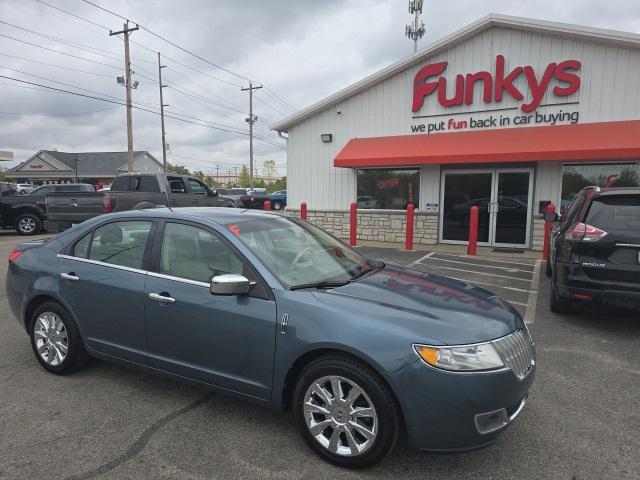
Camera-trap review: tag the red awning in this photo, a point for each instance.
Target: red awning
(589, 141)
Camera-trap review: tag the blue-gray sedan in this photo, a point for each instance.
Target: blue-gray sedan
(276, 310)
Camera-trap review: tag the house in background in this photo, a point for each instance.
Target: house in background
(96, 168)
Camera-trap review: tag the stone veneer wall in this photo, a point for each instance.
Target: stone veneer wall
(376, 225)
(537, 238)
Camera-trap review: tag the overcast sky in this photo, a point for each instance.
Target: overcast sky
(300, 50)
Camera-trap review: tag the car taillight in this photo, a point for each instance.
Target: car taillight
(13, 256)
(108, 205)
(584, 232)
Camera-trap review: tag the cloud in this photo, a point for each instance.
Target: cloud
(302, 50)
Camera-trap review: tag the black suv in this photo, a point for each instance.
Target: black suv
(595, 250)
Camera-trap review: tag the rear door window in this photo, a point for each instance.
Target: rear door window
(615, 212)
(144, 183)
(120, 243)
(120, 184)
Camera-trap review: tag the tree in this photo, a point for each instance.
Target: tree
(244, 178)
(178, 169)
(2, 174)
(269, 170)
(279, 184)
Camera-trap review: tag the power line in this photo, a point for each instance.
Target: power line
(59, 90)
(61, 53)
(56, 66)
(273, 95)
(73, 15)
(56, 114)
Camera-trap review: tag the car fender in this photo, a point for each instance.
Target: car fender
(21, 208)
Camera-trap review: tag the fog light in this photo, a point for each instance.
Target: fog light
(491, 421)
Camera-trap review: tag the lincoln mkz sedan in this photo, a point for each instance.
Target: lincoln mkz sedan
(276, 310)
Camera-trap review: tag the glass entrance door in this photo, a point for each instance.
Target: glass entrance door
(504, 199)
(511, 208)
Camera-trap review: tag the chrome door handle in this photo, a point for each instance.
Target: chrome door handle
(70, 276)
(161, 298)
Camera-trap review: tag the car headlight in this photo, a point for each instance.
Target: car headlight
(463, 358)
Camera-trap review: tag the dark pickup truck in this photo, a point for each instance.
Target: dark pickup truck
(133, 191)
(26, 213)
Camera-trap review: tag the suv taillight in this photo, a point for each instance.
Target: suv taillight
(13, 256)
(108, 205)
(582, 231)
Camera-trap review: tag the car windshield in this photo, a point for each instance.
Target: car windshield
(299, 254)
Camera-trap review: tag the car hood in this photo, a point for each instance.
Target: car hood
(433, 306)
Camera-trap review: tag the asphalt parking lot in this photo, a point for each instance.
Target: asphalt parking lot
(109, 422)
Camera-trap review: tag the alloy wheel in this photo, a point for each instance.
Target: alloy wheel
(340, 416)
(51, 338)
(27, 225)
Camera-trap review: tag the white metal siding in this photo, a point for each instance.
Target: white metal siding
(607, 93)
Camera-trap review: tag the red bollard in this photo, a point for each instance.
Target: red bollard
(551, 208)
(267, 205)
(472, 249)
(353, 223)
(303, 210)
(408, 244)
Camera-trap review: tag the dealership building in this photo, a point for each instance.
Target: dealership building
(508, 113)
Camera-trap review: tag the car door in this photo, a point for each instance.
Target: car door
(180, 193)
(227, 341)
(200, 194)
(102, 280)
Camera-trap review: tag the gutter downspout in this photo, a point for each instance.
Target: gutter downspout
(283, 136)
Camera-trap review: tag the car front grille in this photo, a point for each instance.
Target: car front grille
(517, 353)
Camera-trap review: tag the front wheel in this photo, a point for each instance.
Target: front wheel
(345, 412)
(277, 205)
(28, 224)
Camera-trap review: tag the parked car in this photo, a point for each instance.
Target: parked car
(595, 250)
(275, 310)
(105, 188)
(278, 200)
(234, 194)
(253, 200)
(133, 191)
(23, 188)
(26, 213)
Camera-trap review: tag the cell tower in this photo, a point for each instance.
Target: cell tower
(415, 31)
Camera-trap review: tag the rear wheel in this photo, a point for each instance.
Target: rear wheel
(277, 205)
(28, 224)
(55, 340)
(345, 411)
(557, 304)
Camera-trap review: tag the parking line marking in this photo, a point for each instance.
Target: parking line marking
(480, 265)
(420, 259)
(517, 303)
(521, 290)
(486, 258)
(530, 313)
(482, 273)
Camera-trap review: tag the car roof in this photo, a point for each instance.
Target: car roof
(220, 215)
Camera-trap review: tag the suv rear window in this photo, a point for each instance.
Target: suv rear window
(615, 212)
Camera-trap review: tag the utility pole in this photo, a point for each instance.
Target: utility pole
(162, 105)
(127, 71)
(251, 119)
(217, 174)
(415, 31)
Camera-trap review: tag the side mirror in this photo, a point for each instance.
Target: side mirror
(213, 193)
(551, 217)
(230, 284)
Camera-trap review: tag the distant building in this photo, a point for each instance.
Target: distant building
(48, 166)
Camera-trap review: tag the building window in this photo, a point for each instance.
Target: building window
(388, 189)
(576, 177)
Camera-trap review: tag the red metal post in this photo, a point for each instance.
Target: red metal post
(551, 208)
(353, 223)
(303, 210)
(472, 249)
(408, 244)
(267, 205)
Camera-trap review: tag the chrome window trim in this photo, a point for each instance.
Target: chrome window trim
(629, 245)
(179, 279)
(103, 264)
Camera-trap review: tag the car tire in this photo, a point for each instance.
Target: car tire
(28, 224)
(52, 331)
(367, 425)
(277, 205)
(556, 303)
